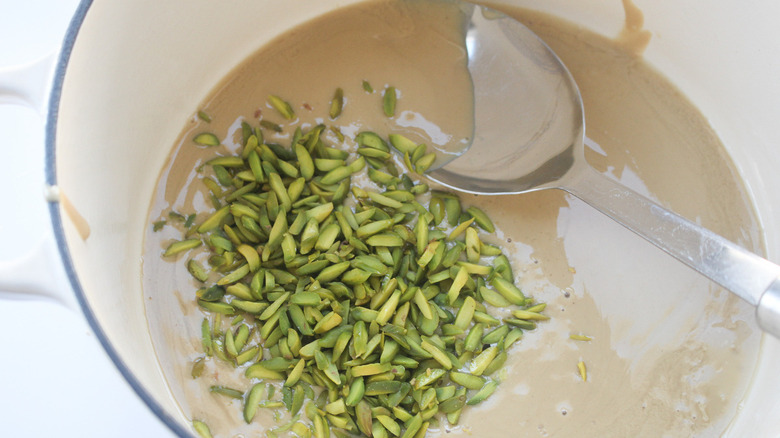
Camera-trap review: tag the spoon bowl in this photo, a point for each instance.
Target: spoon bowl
(529, 119)
(530, 135)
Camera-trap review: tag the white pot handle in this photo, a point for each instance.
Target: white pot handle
(28, 85)
(39, 272)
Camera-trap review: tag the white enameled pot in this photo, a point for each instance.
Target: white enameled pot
(131, 73)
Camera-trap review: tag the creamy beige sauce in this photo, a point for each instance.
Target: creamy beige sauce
(671, 355)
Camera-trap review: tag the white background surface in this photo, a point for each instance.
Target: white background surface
(55, 378)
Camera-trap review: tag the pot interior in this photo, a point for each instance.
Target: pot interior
(137, 72)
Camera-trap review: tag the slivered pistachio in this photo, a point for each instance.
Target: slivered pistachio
(296, 373)
(483, 221)
(305, 161)
(327, 236)
(176, 216)
(503, 267)
(453, 254)
(525, 314)
(460, 229)
(226, 161)
(473, 245)
(513, 336)
(240, 192)
(249, 306)
(206, 139)
(384, 200)
(366, 293)
(202, 429)
(423, 304)
(289, 248)
(330, 321)
(370, 264)
(413, 426)
(181, 246)
(214, 221)
(320, 212)
(402, 144)
(452, 404)
(364, 417)
(275, 181)
(354, 277)
(234, 276)
(372, 228)
(508, 290)
(388, 308)
(211, 294)
(252, 402)
(228, 392)
(467, 380)
(422, 164)
(389, 101)
(439, 355)
(482, 395)
(493, 298)
(197, 270)
(583, 371)
(380, 177)
(453, 209)
(481, 362)
(274, 307)
(304, 298)
(371, 369)
(473, 340)
(240, 290)
(465, 313)
(267, 124)
(495, 335)
(496, 364)
(408, 161)
(385, 239)
(457, 284)
(436, 208)
(419, 189)
(328, 164)
(332, 272)
(250, 255)
(337, 103)
(206, 339)
(336, 175)
(283, 107)
(536, 308)
(487, 319)
(372, 140)
(246, 132)
(373, 153)
(363, 315)
(475, 269)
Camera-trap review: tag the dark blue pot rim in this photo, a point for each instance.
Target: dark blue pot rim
(71, 37)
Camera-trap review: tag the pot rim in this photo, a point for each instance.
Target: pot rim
(50, 159)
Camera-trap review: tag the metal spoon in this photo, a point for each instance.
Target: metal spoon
(523, 92)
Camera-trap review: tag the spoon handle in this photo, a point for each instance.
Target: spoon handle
(753, 278)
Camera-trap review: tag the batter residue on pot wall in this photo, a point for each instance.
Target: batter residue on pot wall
(671, 354)
(633, 38)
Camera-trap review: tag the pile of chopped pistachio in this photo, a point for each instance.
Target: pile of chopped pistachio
(368, 308)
